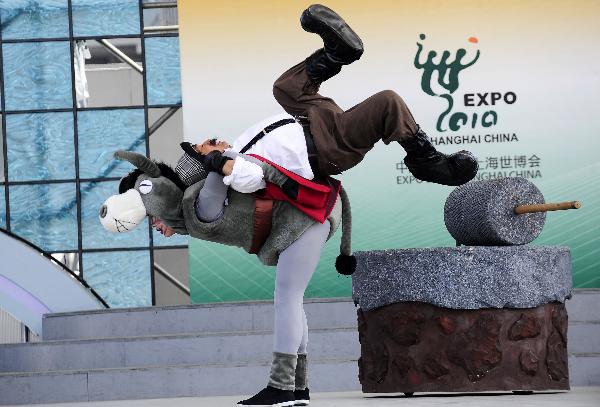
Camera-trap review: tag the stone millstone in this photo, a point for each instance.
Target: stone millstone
(481, 213)
(466, 277)
(417, 347)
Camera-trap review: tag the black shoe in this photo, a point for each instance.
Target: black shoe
(342, 45)
(302, 397)
(427, 164)
(270, 396)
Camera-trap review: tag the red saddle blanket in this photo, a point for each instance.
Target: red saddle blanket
(315, 198)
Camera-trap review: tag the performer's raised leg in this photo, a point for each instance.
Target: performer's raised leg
(343, 138)
(386, 117)
(296, 90)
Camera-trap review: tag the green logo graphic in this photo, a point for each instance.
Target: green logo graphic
(447, 72)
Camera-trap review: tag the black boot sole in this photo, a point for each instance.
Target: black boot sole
(452, 170)
(270, 397)
(334, 30)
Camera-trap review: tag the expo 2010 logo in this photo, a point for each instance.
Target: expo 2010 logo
(447, 70)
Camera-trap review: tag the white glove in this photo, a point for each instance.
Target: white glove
(246, 177)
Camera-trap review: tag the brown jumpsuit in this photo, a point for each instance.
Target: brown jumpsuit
(342, 138)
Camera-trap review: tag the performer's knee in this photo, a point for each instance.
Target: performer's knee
(280, 95)
(390, 97)
(284, 97)
(392, 103)
(287, 294)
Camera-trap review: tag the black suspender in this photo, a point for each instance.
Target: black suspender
(266, 130)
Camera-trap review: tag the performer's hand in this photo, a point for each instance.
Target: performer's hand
(228, 167)
(216, 161)
(165, 230)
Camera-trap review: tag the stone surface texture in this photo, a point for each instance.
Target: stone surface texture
(480, 213)
(418, 347)
(465, 277)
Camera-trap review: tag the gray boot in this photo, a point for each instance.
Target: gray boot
(301, 372)
(283, 371)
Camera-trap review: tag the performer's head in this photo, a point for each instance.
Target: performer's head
(211, 144)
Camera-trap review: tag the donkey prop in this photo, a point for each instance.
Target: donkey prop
(158, 192)
(293, 243)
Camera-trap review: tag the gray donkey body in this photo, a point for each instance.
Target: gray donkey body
(156, 195)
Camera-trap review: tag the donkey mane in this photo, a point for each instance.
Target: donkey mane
(128, 182)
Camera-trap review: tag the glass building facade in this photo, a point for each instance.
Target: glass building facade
(57, 163)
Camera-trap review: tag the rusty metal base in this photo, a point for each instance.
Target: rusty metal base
(417, 347)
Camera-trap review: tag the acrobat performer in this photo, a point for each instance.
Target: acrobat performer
(320, 140)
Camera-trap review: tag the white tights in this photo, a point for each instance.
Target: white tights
(295, 268)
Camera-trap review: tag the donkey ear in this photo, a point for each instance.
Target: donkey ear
(140, 161)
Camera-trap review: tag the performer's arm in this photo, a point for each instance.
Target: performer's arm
(247, 174)
(210, 203)
(244, 176)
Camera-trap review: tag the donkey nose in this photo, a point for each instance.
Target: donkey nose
(103, 211)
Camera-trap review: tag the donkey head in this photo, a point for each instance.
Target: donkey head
(153, 189)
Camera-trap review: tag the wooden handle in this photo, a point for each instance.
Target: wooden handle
(534, 208)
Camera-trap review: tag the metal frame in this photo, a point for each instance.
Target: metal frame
(161, 28)
(147, 139)
(148, 129)
(120, 54)
(162, 119)
(171, 279)
(118, 249)
(161, 4)
(83, 109)
(4, 144)
(75, 142)
(91, 37)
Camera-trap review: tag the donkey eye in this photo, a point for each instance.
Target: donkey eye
(145, 187)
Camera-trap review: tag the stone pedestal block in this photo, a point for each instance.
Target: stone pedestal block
(466, 277)
(419, 347)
